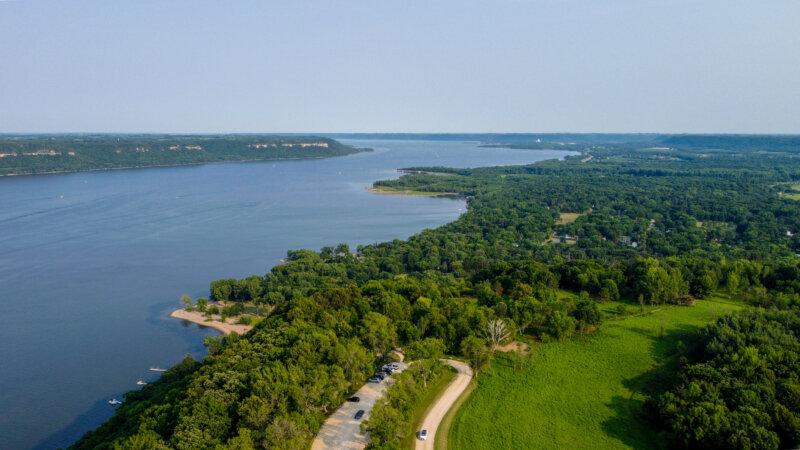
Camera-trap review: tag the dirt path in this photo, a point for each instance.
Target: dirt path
(443, 404)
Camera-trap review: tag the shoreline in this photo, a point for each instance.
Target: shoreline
(215, 322)
(389, 191)
(155, 166)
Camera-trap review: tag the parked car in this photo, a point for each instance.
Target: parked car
(359, 414)
(354, 399)
(379, 376)
(422, 435)
(374, 380)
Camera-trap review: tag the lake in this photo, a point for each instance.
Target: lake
(92, 263)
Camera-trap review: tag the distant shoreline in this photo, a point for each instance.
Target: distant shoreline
(155, 166)
(215, 322)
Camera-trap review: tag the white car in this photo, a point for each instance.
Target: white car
(422, 435)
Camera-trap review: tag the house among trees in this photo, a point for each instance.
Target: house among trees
(627, 240)
(43, 152)
(564, 238)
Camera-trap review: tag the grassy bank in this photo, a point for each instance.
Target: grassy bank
(587, 392)
(443, 435)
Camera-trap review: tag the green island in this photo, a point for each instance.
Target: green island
(643, 294)
(40, 154)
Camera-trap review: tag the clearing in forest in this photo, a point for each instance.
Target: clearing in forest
(585, 392)
(792, 192)
(565, 218)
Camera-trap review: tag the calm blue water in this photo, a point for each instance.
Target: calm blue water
(92, 263)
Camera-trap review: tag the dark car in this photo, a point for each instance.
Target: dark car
(359, 414)
(354, 399)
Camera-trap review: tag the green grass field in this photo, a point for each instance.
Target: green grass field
(792, 193)
(583, 393)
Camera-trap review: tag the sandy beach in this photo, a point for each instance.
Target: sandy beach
(215, 322)
(391, 191)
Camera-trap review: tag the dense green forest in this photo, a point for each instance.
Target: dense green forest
(648, 223)
(31, 154)
(741, 388)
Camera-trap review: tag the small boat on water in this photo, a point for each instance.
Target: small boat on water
(114, 402)
(141, 383)
(157, 369)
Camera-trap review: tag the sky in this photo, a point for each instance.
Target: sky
(723, 66)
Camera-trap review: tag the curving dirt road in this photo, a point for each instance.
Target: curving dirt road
(342, 431)
(444, 403)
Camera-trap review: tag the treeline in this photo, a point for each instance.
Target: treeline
(31, 154)
(526, 294)
(463, 288)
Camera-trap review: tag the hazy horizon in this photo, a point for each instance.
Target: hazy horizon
(512, 66)
(384, 133)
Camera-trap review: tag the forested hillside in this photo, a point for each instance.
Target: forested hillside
(31, 154)
(647, 224)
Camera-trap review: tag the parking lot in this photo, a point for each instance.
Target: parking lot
(342, 430)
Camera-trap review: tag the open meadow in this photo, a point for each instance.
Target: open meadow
(586, 392)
